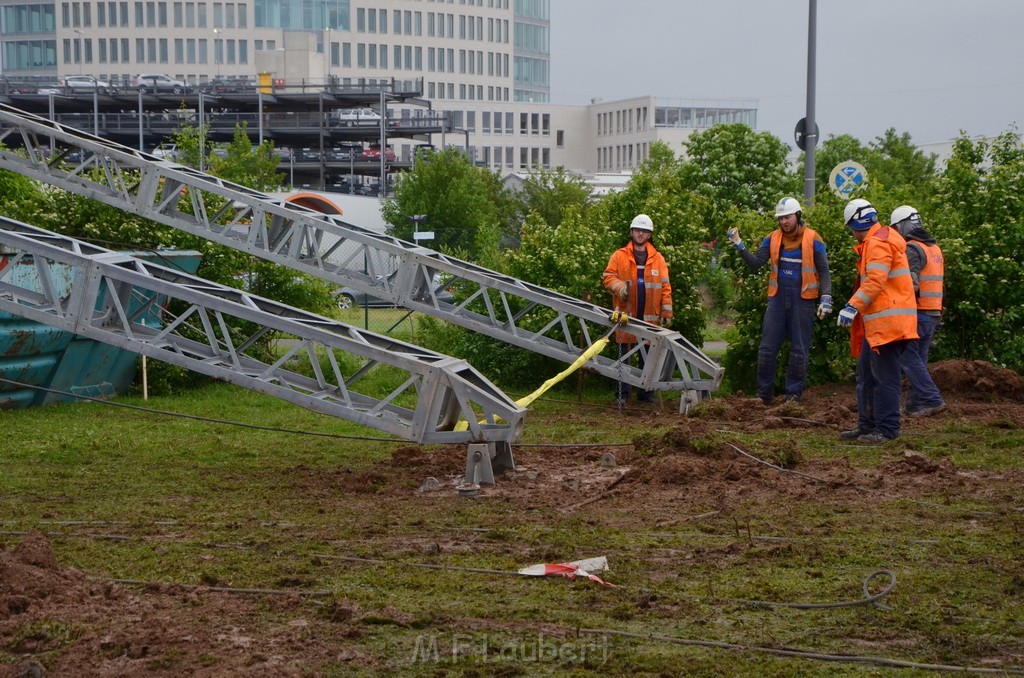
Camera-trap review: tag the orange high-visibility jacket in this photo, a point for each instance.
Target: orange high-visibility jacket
(929, 280)
(621, 270)
(809, 282)
(884, 296)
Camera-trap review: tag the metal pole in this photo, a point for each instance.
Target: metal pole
(202, 134)
(96, 111)
(383, 142)
(323, 159)
(259, 98)
(142, 142)
(52, 118)
(811, 133)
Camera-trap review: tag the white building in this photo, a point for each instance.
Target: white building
(484, 63)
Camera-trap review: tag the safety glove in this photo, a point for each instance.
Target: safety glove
(734, 235)
(825, 307)
(846, 316)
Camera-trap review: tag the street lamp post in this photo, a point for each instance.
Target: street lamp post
(80, 52)
(216, 50)
(327, 59)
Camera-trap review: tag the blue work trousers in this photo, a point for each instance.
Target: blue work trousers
(922, 391)
(879, 382)
(788, 315)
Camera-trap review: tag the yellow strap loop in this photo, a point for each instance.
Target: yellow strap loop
(618, 317)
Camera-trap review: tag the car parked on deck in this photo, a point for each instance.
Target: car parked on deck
(373, 153)
(228, 85)
(156, 83)
(356, 117)
(82, 84)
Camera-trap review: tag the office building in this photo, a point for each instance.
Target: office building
(484, 63)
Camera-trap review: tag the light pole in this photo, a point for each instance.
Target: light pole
(327, 59)
(811, 124)
(80, 52)
(216, 50)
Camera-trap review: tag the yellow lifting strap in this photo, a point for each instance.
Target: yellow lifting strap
(618, 317)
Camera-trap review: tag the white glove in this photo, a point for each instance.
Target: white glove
(623, 292)
(825, 307)
(846, 316)
(665, 322)
(734, 235)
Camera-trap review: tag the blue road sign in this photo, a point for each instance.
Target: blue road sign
(847, 177)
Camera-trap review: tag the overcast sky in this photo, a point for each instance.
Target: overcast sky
(928, 67)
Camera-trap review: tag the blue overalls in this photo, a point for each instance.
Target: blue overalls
(787, 315)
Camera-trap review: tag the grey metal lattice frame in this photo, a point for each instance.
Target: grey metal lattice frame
(327, 247)
(433, 393)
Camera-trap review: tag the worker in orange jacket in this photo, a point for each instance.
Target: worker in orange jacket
(926, 270)
(637, 277)
(799, 278)
(882, 314)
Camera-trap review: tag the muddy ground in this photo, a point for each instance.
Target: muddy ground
(108, 628)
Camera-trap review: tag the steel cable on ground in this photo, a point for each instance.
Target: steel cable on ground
(196, 417)
(797, 654)
(273, 429)
(869, 598)
(805, 654)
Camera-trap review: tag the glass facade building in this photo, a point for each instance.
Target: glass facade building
(485, 65)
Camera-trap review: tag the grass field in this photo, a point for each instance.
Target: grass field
(370, 575)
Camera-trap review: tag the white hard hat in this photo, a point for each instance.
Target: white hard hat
(859, 214)
(642, 222)
(904, 212)
(786, 207)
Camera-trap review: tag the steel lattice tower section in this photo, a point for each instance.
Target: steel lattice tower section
(327, 247)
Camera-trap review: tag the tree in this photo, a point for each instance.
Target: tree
(245, 164)
(20, 197)
(894, 165)
(192, 144)
(550, 194)
(457, 197)
(735, 166)
(978, 218)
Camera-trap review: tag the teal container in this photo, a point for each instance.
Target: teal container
(44, 357)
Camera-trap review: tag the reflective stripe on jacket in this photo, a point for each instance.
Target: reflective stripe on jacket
(929, 280)
(809, 282)
(621, 270)
(884, 296)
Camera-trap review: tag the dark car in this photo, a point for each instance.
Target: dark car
(229, 86)
(346, 152)
(351, 298)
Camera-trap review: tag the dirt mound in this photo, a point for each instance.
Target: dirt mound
(58, 620)
(29, 572)
(979, 377)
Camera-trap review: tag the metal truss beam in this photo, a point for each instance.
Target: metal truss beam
(416, 394)
(327, 247)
